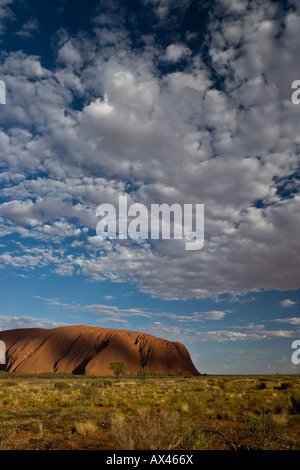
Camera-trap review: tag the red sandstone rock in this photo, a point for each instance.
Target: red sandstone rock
(90, 350)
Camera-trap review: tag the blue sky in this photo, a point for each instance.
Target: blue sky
(165, 101)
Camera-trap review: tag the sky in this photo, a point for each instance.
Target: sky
(164, 101)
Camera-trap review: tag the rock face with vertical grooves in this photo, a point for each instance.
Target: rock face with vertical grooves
(89, 350)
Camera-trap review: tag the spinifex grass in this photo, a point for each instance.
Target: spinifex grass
(51, 411)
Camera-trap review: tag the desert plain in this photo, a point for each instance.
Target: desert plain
(149, 412)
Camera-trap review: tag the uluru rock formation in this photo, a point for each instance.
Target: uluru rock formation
(89, 350)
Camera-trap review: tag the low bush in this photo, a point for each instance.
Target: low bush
(83, 428)
(158, 431)
(295, 404)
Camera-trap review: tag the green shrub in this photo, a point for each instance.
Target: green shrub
(118, 368)
(260, 424)
(285, 386)
(89, 393)
(61, 386)
(261, 386)
(10, 383)
(295, 404)
(143, 373)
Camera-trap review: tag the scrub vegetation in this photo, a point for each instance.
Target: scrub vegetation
(62, 411)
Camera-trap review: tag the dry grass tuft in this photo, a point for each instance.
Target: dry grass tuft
(83, 428)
